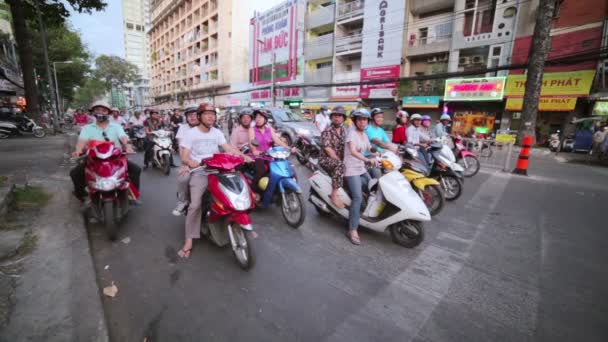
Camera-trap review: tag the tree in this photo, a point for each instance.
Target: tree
(114, 71)
(21, 11)
(91, 91)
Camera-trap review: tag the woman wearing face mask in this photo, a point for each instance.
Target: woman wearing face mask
(425, 132)
(355, 172)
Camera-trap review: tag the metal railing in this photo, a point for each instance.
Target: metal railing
(351, 9)
(491, 153)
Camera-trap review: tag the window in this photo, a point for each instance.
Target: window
(129, 26)
(139, 28)
(443, 31)
(422, 35)
(324, 65)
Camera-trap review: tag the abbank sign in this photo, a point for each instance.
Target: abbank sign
(382, 46)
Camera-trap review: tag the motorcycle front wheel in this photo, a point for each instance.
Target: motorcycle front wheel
(452, 187)
(166, 164)
(292, 208)
(110, 219)
(432, 196)
(39, 132)
(242, 248)
(470, 165)
(4, 135)
(408, 234)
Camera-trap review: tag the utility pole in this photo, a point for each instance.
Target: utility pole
(541, 43)
(274, 57)
(48, 67)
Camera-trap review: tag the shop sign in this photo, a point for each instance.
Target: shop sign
(383, 90)
(600, 108)
(572, 83)
(345, 91)
(545, 104)
(474, 89)
(505, 138)
(293, 103)
(420, 102)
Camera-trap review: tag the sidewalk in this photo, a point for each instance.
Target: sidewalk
(56, 296)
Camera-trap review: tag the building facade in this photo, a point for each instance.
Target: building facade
(136, 51)
(198, 49)
(12, 84)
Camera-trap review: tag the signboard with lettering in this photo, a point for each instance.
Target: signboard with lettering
(474, 89)
(545, 104)
(277, 32)
(382, 46)
(572, 83)
(420, 102)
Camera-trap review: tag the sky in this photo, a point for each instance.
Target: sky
(102, 31)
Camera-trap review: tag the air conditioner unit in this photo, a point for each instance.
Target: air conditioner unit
(464, 60)
(432, 59)
(479, 59)
(443, 58)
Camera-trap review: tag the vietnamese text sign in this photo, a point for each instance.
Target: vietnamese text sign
(383, 90)
(545, 104)
(572, 83)
(420, 102)
(474, 89)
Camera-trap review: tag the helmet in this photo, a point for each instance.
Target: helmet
(263, 183)
(426, 117)
(339, 110)
(361, 113)
(416, 116)
(261, 112)
(114, 109)
(376, 111)
(99, 104)
(402, 114)
(232, 111)
(445, 117)
(153, 110)
(245, 111)
(323, 108)
(205, 107)
(191, 109)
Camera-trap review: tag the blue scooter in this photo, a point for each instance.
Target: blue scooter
(280, 186)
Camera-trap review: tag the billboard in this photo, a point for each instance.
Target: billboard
(572, 83)
(474, 89)
(382, 46)
(277, 33)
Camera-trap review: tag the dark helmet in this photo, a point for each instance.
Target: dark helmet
(323, 108)
(205, 107)
(376, 111)
(246, 111)
(361, 113)
(191, 109)
(153, 110)
(339, 110)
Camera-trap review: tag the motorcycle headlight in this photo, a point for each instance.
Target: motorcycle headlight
(106, 183)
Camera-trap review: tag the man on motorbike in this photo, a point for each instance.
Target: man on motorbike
(200, 143)
(176, 120)
(240, 134)
(152, 124)
(377, 136)
(441, 129)
(102, 130)
(136, 120)
(183, 176)
(331, 160)
(355, 171)
(416, 137)
(116, 118)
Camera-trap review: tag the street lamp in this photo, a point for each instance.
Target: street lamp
(57, 101)
(274, 56)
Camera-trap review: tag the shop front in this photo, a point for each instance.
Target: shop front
(563, 96)
(475, 104)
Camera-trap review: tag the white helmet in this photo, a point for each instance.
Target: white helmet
(402, 114)
(415, 116)
(445, 117)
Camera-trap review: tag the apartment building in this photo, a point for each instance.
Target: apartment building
(198, 49)
(9, 62)
(136, 52)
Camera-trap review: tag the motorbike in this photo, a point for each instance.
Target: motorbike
(24, 126)
(467, 159)
(108, 185)
(308, 151)
(568, 144)
(226, 206)
(444, 168)
(554, 142)
(415, 171)
(138, 135)
(162, 151)
(389, 203)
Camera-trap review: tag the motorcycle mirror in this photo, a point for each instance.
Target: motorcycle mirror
(255, 143)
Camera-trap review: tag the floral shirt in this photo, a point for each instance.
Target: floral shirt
(334, 140)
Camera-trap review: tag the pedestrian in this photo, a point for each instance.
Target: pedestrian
(321, 120)
(332, 157)
(399, 136)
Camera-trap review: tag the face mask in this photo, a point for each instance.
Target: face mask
(426, 123)
(101, 117)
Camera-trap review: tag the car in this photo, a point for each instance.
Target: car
(289, 125)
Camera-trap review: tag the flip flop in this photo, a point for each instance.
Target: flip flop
(184, 253)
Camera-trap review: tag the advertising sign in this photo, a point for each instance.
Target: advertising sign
(474, 89)
(572, 83)
(382, 46)
(420, 102)
(545, 104)
(277, 33)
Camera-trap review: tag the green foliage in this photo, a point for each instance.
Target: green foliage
(113, 70)
(89, 92)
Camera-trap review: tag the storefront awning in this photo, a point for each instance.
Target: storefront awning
(330, 105)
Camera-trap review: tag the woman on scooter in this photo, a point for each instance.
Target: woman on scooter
(399, 136)
(331, 160)
(355, 171)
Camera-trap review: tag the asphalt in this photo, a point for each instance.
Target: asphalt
(514, 259)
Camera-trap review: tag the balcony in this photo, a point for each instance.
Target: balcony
(428, 46)
(322, 75)
(349, 44)
(351, 10)
(418, 7)
(320, 17)
(320, 47)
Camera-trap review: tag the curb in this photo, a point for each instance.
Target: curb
(6, 196)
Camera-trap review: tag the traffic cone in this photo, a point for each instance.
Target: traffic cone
(524, 156)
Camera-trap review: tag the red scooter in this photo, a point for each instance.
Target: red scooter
(108, 185)
(226, 206)
(467, 159)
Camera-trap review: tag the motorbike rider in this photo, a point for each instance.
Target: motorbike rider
(183, 176)
(117, 118)
(321, 120)
(152, 124)
(426, 127)
(355, 171)
(136, 120)
(416, 137)
(377, 136)
(199, 143)
(176, 120)
(240, 134)
(332, 142)
(102, 129)
(441, 129)
(399, 136)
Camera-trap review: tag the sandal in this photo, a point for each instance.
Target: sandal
(355, 240)
(184, 253)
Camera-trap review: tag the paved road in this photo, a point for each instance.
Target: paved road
(35, 157)
(514, 259)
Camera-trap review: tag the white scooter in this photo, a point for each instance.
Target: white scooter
(390, 204)
(554, 142)
(25, 126)
(162, 150)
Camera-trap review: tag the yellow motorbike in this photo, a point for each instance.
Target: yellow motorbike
(429, 189)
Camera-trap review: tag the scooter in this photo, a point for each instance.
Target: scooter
(428, 188)
(108, 185)
(162, 150)
(138, 135)
(25, 126)
(554, 142)
(444, 168)
(226, 206)
(467, 159)
(280, 186)
(308, 151)
(389, 203)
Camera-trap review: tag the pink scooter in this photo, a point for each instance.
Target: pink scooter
(467, 159)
